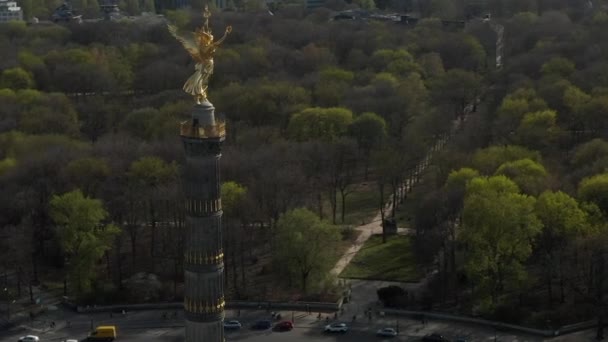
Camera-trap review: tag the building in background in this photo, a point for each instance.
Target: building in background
(10, 11)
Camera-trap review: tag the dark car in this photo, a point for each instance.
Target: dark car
(434, 338)
(284, 326)
(261, 325)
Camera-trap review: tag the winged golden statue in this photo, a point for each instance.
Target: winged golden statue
(201, 47)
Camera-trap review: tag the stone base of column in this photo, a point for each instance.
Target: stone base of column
(205, 332)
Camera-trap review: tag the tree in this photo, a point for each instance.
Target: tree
(538, 130)
(455, 89)
(595, 190)
(148, 178)
(487, 160)
(499, 226)
(82, 234)
(87, 174)
(530, 176)
(369, 130)
(575, 100)
(303, 244)
(233, 201)
(563, 220)
(16, 78)
(558, 66)
(341, 173)
(512, 110)
(326, 124)
(589, 152)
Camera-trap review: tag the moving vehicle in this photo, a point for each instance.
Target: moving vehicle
(261, 325)
(234, 325)
(284, 326)
(103, 333)
(336, 327)
(29, 338)
(387, 332)
(434, 338)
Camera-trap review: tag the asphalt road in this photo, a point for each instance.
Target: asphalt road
(149, 326)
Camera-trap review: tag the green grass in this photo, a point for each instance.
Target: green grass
(392, 261)
(362, 205)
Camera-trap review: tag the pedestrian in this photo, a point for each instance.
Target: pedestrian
(319, 316)
(335, 315)
(308, 308)
(31, 316)
(354, 318)
(52, 324)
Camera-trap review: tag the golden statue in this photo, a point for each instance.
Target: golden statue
(201, 47)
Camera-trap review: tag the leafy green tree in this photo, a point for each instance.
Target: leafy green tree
(455, 187)
(499, 226)
(148, 179)
(487, 160)
(233, 205)
(87, 174)
(530, 176)
(575, 101)
(563, 220)
(558, 66)
(320, 123)
(334, 82)
(589, 152)
(538, 130)
(50, 113)
(82, 234)
(431, 64)
(595, 190)
(369, 130)
(455, 89)
(595, 112)
(512, 110)
(302, 245)
(16, 78)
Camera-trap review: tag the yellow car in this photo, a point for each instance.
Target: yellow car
(103, 333)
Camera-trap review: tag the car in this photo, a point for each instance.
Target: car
(232, 325)
(284, 326)
(261, 325)
(387, 332)
(434, 338)
(29, 338)
(336, 327)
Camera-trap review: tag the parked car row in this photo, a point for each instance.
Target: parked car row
(337, 327)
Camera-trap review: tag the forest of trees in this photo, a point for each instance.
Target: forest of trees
(516, 205)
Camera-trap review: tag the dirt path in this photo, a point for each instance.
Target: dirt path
(375, 226)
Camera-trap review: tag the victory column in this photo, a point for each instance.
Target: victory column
(202, 137)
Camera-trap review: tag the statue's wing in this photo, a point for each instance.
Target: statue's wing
(187, 41)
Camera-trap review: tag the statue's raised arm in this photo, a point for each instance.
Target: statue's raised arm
(226, 33)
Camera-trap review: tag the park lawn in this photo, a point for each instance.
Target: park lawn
(392, 261)
(362, 205)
